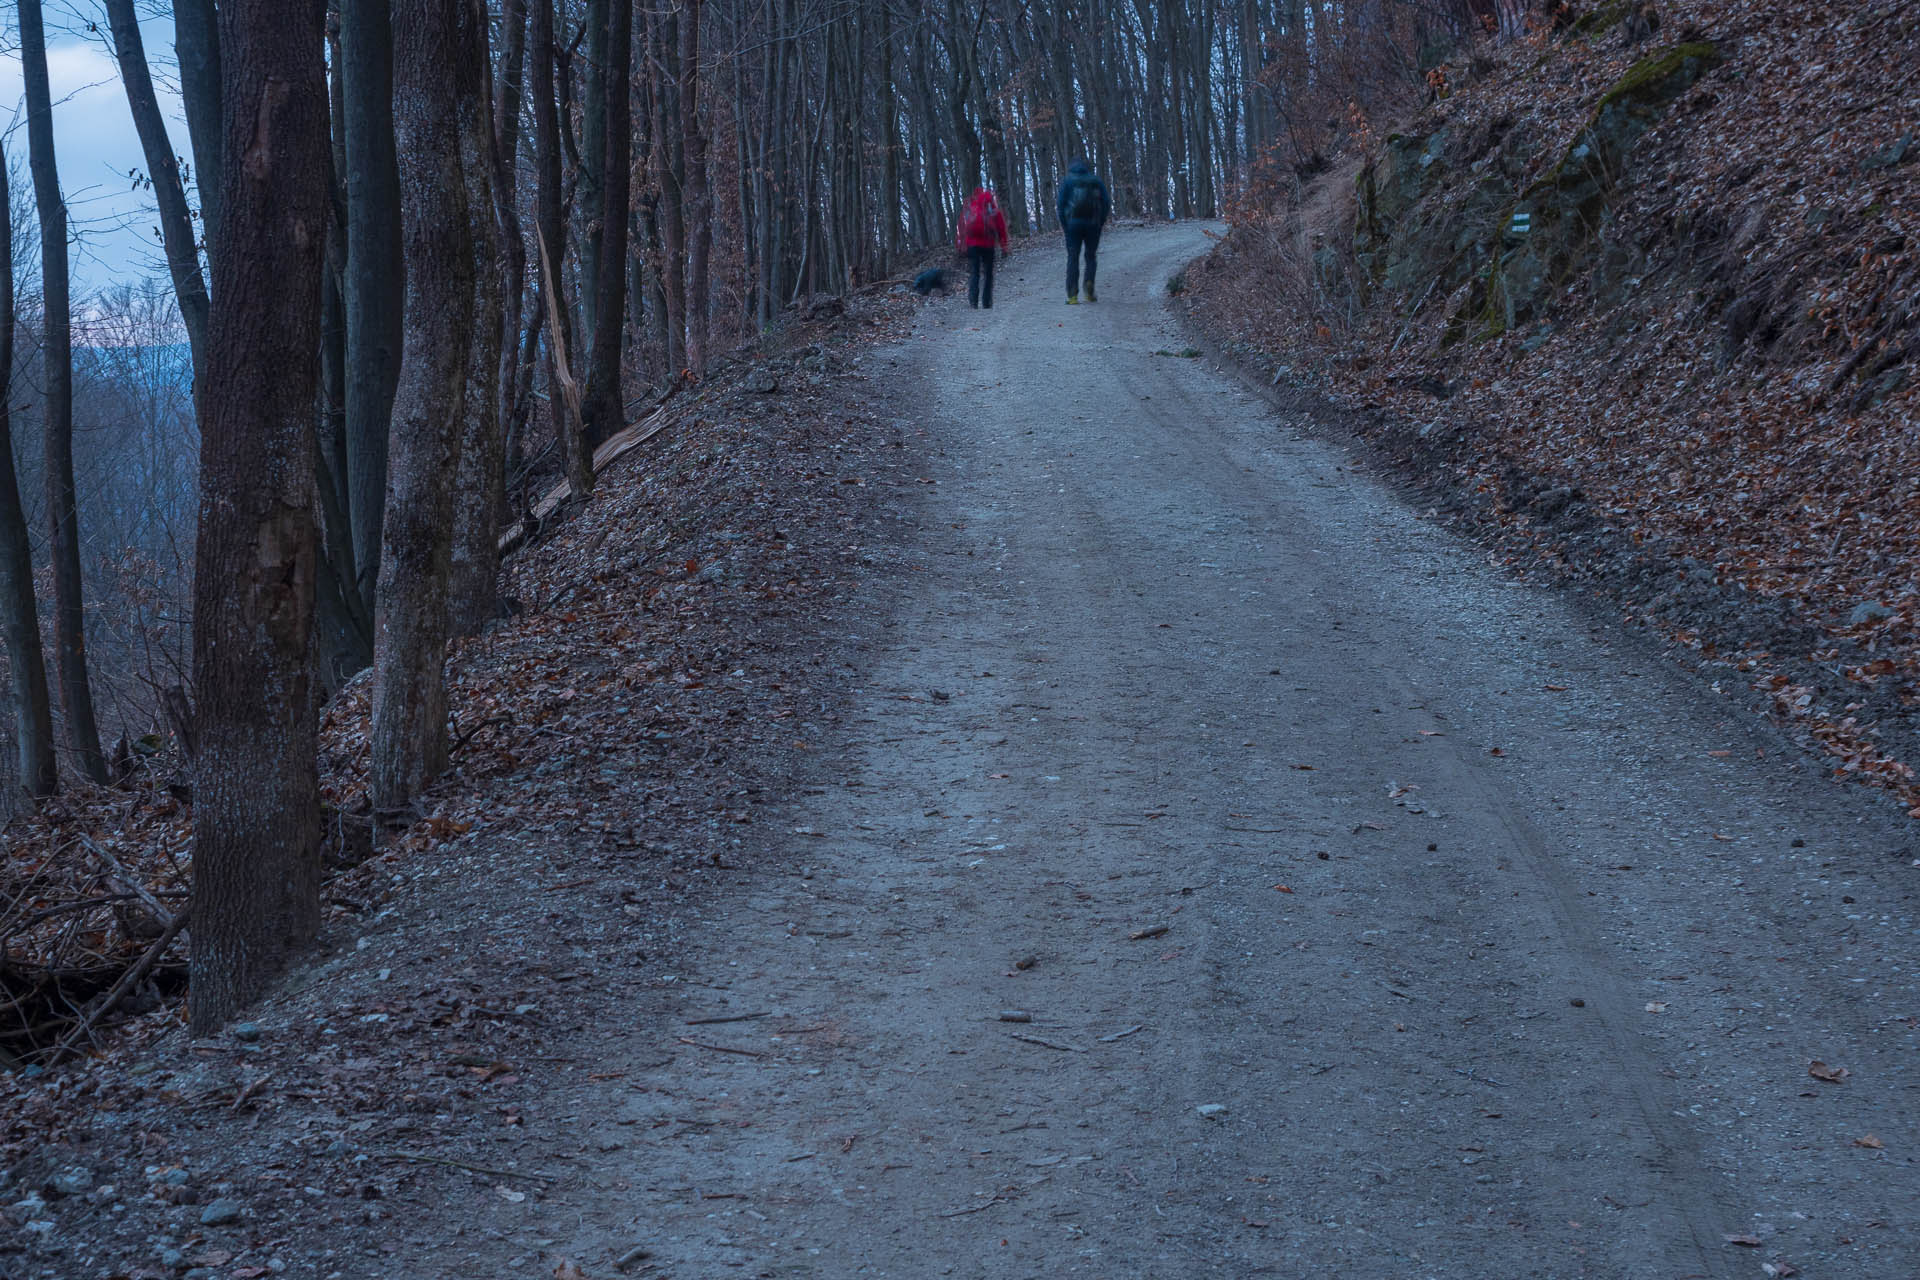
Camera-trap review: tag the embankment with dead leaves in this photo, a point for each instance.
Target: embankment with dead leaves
(1645, 306)
(670, 668)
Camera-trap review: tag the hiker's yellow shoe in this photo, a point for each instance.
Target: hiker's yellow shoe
(1090, 297)
(1073, 299)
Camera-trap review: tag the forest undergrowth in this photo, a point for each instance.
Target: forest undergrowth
(1714, 419)
(665, 675)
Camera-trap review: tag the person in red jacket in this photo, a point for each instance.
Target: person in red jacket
(982, 226)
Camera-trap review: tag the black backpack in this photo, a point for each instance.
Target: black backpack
(1085, 204)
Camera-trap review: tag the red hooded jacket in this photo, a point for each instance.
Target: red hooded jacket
(984, 224)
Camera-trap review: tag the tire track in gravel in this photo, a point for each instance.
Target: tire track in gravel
(1486, 931)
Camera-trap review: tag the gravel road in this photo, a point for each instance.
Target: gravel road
(1227, 872)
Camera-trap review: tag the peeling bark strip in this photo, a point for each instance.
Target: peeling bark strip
(257, 159)
(439, 78)
(256, 889)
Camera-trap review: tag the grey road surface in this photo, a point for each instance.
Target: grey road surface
(1361, 910)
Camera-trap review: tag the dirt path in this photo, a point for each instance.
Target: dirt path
(1374, 915)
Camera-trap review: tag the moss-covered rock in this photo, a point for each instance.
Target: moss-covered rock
(1447, 207)
(1660, 77)
(1597, 22)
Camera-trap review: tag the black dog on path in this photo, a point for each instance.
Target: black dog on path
(931, 280)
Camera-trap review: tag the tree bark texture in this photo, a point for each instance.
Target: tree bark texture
(588, 192)
(196, 46)
(256, 863)
(508, 100)
(63, 508)
(479, 488)
(19, 614)
(669, 180)
(550, 227)
(374, 288)
(699, 196)
(434, 62)
(604, 408)
(344, 629)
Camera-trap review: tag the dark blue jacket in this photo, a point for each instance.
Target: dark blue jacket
(1079, 175)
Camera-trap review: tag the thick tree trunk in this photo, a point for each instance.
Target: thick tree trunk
(256, 837)
(176, 223)
(434, 66)
(374, 289)
(604, 409)
(63, 508)
(19, 615)
(196, 46)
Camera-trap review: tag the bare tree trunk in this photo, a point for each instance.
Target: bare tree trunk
(604, 409)
(474, 562)
(344, 629)
(506, 127)
(375, 298)
(196, 45)
(19, 615)
(176, 224)
(699, 196)
(63, 512)
(550, 229)
(589, 192)
(256, 837)
(434, 70)
(668, 178)
(890, 146)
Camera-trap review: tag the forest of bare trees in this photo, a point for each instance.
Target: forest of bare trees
(424, 255)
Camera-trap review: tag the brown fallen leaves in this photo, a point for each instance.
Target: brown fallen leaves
(1741, 407)
(1831, 1074)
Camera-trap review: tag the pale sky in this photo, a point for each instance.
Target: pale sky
(113, 224)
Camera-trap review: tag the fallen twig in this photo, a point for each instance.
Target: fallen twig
(1151, 931)
(468, 736)
(419, 1157)
(726, 1017)
(131, 881)
(721, 1048)
(1047, 1044)
(128, 980)
(248, 1090)
(961, 1213)
(64, 908)
(1122, 1035)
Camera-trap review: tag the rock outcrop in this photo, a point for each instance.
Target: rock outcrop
(1453, 207)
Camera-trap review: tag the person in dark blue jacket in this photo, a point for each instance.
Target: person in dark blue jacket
(1083, 207)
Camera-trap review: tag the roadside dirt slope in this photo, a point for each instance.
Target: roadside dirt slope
(1654, 305)
(1363, 910)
